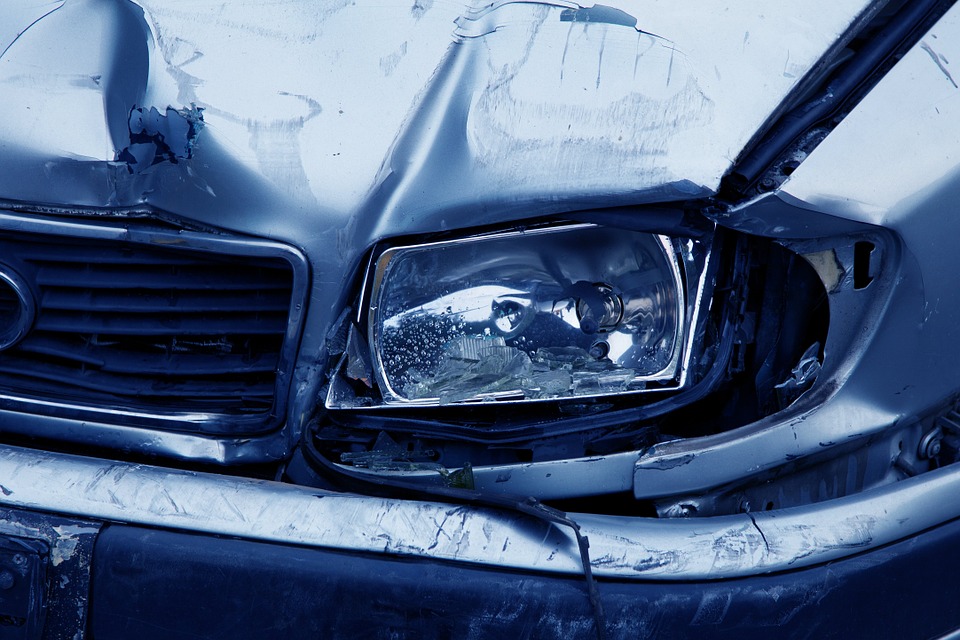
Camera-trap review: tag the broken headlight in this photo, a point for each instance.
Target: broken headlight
(547, 313)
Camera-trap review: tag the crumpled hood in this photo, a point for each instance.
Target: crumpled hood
(332, 125)
(289, 119)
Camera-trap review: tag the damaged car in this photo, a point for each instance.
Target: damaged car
(436, 319)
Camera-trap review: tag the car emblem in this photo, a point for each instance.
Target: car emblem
(17, 307)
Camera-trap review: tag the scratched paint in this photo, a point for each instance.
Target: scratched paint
(941, 61)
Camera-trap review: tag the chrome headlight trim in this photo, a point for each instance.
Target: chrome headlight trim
(684, 263)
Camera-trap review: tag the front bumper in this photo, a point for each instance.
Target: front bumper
(188, 554)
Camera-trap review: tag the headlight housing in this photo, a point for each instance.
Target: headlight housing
(569, 311)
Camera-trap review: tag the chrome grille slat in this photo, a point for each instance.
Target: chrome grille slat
(156, 357)
(65, 381)
(184, 301)
(159, 324)
(216, 277)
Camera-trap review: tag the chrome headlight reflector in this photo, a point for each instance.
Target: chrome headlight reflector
(547, 313)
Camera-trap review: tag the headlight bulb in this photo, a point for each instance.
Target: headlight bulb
(600, 309)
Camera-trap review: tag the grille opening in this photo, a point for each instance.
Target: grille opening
(150, 334)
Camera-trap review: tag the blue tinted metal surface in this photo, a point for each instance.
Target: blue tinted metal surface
(888, 173)
(333, 126)
(271, 120)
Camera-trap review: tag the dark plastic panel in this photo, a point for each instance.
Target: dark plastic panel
(156, 584)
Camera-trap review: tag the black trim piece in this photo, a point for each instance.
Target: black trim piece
(152, 584)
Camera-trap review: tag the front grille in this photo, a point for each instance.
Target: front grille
(181, 331)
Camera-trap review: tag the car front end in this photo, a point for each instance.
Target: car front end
(523, 319)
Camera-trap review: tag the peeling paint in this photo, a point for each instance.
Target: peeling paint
(828, 267)
(68, 538)
(161, 137)
(665, 464)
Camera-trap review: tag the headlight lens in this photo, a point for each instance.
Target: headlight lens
(548, 313)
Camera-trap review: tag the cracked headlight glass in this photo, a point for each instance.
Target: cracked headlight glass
(548, 313)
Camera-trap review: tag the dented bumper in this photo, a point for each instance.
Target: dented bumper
(266, 558)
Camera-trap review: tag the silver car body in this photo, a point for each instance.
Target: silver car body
(324, 130)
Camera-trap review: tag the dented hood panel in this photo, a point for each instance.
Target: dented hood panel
(333, 125)
(389, 119)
